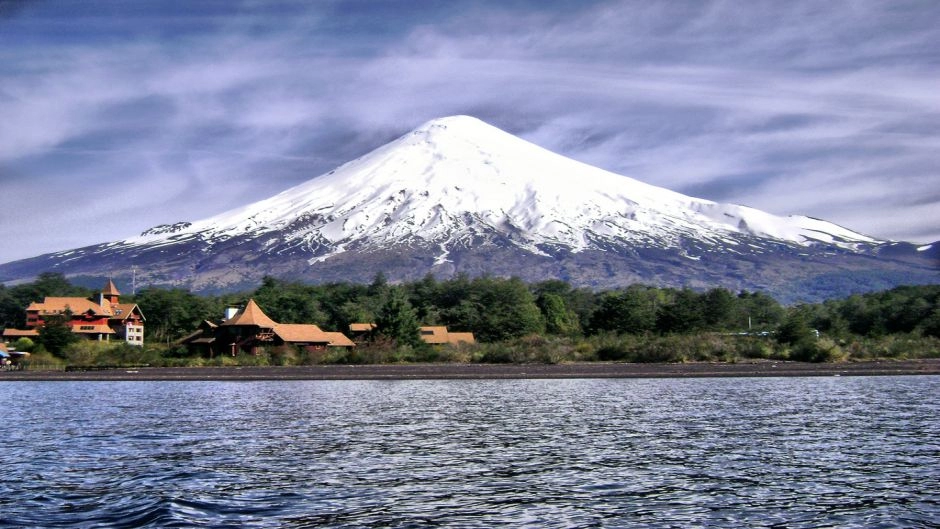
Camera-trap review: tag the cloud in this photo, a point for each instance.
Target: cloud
(796, 107)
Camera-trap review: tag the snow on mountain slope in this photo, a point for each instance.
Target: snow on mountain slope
(457, 177)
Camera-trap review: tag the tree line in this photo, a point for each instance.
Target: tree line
(501, 310)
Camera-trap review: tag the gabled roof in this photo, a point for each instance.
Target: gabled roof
(308, 333)
(56, 305)
(338, 339)
(301, 333)
(361, 327)
(251, 315)
(122, 311)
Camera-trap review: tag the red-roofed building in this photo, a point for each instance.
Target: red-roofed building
(102, 320)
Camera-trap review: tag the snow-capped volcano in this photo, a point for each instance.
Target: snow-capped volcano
(458, 195)
(453, 178)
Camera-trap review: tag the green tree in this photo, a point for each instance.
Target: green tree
(12, 310)
(758, 311)
(13, 301)
(862, 315)
(509, 309)
(931, 325)
(632, 311)
(56, 335)
(579, 302)
(288, 302)
(379, 285)
(559, 319)
(794, 329)
(683, 313)
(718, 309)
(173, 313)
(423, 297)
(55, 284)
(345, 303)
(24, 344)
(397, 319)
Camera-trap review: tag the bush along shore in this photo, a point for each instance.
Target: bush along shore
(530, 349)
(514, 323)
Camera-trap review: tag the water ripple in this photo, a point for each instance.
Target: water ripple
(847, 452)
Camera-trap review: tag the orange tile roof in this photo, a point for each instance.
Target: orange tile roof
(251, 315)
(460, 337)
(57, 305)
(309, 333)
(361, 327)
(18, 333)
(437, 335)
(300, 332)
(434, 335)
(338, 339)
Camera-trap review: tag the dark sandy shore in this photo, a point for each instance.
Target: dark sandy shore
(493, 371)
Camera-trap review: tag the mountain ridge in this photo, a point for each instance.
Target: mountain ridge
(437, 149)
(458, 195)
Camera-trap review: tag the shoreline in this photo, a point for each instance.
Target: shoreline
(489, 371)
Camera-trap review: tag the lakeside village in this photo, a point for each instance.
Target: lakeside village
(502, 320)
(240, 330)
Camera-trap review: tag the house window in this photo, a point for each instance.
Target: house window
(427, 333)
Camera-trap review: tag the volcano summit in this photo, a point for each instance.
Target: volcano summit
(457, 195)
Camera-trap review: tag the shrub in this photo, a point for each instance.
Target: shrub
(755, 348)
(529, 349)
(461, 353)
(817, 350)
(83, 352)
(24, 344)
(284, 355)
(828, 350)
(613, 352)
(41, 359)
(246, 359)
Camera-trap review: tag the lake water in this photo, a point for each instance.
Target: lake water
(757, 452)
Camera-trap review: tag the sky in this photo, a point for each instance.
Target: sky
(117, 116)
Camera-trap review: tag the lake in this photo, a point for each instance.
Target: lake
(729, 452)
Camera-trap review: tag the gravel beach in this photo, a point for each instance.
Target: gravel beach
(492, 371)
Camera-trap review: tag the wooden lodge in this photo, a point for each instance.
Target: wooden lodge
(250, 330)
(103, 319)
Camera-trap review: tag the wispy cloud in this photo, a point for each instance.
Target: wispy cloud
(165, 113)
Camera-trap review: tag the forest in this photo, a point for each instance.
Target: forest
(513, 321)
